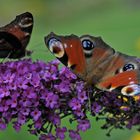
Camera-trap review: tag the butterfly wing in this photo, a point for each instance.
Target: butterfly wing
(100, 65)
(15, 36)
(64, 49)
(126, 83)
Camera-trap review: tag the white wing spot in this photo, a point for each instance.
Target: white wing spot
(132, 82)
(65, 45)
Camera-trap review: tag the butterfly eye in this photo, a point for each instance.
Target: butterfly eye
(128, 67)
(87, 44)
(56, 47)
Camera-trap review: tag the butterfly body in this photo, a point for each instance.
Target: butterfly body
(15, 36)
(91, 59)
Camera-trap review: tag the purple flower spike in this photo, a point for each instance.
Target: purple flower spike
(41, 95)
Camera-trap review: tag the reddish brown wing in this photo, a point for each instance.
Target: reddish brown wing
(15, 36)
(68, 50)
(99, 64)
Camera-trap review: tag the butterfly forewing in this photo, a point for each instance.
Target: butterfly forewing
(65, 49)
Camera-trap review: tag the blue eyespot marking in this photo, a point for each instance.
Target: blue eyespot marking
(131, 90)
(87, 44)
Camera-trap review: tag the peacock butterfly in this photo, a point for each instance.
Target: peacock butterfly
(91, 59)
(15, 36)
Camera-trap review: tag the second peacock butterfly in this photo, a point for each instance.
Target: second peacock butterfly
(91, 59)
(15, 36)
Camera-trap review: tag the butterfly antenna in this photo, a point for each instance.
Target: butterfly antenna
(39, 47)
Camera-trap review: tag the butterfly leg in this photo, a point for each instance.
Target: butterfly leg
(7, 57)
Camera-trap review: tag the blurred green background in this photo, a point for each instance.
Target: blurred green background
(116, 21)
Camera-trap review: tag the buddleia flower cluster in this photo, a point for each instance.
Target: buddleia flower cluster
(41, 95)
